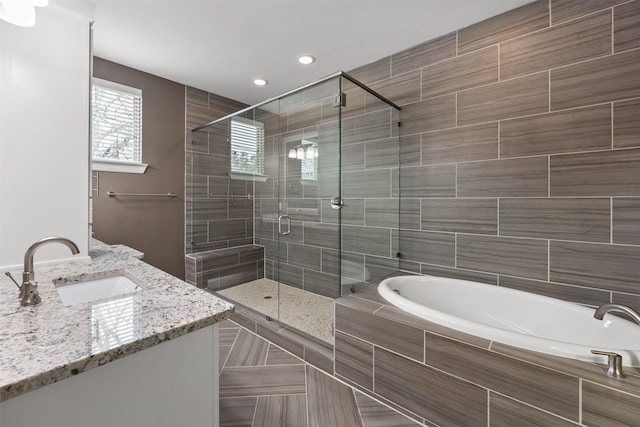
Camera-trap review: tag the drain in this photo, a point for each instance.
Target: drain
(396, 291)
(268, 297)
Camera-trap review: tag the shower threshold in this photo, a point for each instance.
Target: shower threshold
(305, 311)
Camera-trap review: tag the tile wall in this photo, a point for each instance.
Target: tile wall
(446, 378)
(520, 146)
(223, 268)
(308, 257)
(520, 167)
(213, 221)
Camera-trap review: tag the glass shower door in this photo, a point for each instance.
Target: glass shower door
(267, 208)
(323, 185)
(308, 229)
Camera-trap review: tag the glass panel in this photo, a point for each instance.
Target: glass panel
(207, 186)
(266, 210)
(307, 181)
(369, 169)
(324, 209)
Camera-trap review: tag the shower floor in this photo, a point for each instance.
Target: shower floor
(302, 310)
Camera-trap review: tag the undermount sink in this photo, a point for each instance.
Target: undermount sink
(96, 289)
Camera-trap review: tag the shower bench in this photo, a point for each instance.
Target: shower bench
(222, 268)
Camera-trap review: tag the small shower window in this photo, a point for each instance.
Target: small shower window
(309, 161)
(116, 127)
(247, 147)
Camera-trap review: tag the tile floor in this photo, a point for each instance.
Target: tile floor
(305, 311)
(261, 385)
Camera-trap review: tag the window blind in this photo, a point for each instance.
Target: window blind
(309, 165)
(247, 146)
(116, 122)
(113, 323)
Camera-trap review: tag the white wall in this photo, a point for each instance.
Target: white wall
(44, 134)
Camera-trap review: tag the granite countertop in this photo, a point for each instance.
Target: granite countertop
(49, 342)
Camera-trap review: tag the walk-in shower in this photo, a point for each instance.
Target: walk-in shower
(294, 202)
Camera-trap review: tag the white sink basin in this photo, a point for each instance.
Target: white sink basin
(97, 289)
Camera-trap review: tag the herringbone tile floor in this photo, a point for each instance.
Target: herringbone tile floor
(261, 385)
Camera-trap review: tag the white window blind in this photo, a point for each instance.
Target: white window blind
(247, 146)
(116, 122)
(309, 164)
(114, 323)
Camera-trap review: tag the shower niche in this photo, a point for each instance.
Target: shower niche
(294, 202)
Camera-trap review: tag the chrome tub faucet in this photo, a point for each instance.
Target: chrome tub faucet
(614, 363)
(619, 308)
(29, 290)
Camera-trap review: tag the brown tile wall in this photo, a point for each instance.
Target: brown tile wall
(523, 147)
(521, 143)
(223, 268)
(213, 222)
(307, 258)
(443, 377)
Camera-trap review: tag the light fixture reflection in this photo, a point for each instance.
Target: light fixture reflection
(311, 152)
(306, 151)
(260, 82)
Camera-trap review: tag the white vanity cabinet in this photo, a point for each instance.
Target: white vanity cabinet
(172, 384)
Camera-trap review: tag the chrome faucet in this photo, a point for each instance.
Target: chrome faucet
(29, 289)
(606, 308)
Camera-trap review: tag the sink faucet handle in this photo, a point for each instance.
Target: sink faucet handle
(13, 280)
(20, 288)
(614, 363)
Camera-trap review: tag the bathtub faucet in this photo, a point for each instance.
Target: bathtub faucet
(606, 308)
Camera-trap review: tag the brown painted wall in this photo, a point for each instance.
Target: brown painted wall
(155, 225)
(520, 161)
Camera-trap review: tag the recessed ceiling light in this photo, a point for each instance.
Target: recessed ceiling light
(260, 82)
(306, 59)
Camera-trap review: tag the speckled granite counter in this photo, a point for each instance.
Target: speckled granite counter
(49, 342)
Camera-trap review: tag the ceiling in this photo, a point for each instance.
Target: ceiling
(222, 46)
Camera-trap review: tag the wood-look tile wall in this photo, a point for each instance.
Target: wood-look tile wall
(367, 163)
(443, 377)
(521, 149)
(213, 222)
(223, 268)
(520, 167)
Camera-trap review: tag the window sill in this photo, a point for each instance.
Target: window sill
(118, 166)
(248, 176)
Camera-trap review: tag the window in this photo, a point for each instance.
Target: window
(309, 162)
(116, 127)
(247, 147)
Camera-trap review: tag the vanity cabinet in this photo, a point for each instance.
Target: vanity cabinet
(174, 383)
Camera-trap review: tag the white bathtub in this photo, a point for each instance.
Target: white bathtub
(516, 318)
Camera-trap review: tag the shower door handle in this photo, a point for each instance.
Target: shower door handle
(337, 202)
(280, 218)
